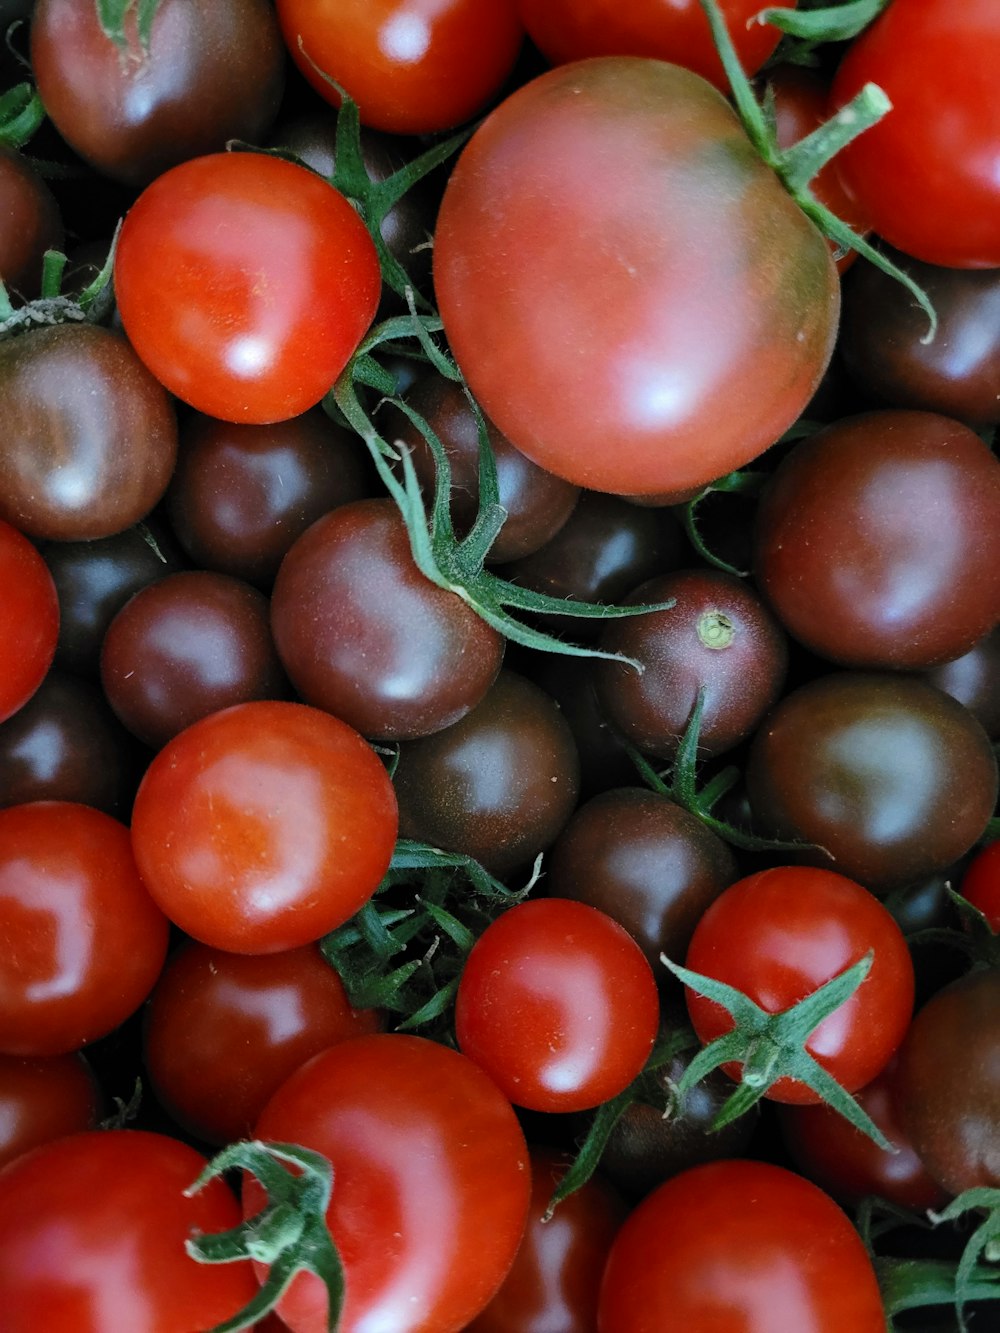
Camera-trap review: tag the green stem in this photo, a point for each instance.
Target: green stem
(803, 161)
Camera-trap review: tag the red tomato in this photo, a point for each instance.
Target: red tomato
(431, 1183)
(558, 1004)
(262, 827)
(674, 30)
(245, 283)
(981, 884)
(741, 1246)
(927, 175)
(29, 620)
(83, 942)
(781, 934)
(413, 66)
(634, 298)
(92, 1232)
(42, 1100)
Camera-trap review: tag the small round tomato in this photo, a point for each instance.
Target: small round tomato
(739, 1245)
(41, 1100)
(245, 283)
(29, 620)
(981, 884)
(558, 1004)
(781, 934)
(262, 827)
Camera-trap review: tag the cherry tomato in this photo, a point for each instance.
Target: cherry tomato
(981, 884)
(29, 620)
(558, 1004)
(926, 173)
(262, 827)
(245, 283)
(41, 1100)
(739, 1245)
(431, 1182)
(617, 270)
(92, 1232)
(413, 66)
(781, 934)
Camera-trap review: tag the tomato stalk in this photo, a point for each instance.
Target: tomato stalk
(21, 114)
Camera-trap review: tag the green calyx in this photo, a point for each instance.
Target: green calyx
(90, 306)
(113, 15)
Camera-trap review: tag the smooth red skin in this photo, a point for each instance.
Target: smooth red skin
(263, 827)
(264, 283)
(674, 30)
(183, 648)
(432, 1182)
(679, 653)
(224, 1031)
(132, 114)
(413, 66)
(947, 1087)
(928, 180)
(981, 884)
(877, 541)
(29, 620)
(365, 635)
(92, 1232)
(778, 936)
(633, 297)
(556, 1274)
(731, 1246)
(44, 1099)
(558, 1004)
(90, 438)
(29, 225)
(83, 940)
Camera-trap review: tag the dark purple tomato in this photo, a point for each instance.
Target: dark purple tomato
(89, 435)
(242, 494)
(29, 225)
(44, 1099)
(497, 785)
(365, 636)
(718, 637)
(184, 647)
(947, 1087)
(893, 778)
(95, 579)
(974, 680)
(65, 744)
(211, 73)
(646, 862)
(604, 762)
(882, 332)
(878, 540)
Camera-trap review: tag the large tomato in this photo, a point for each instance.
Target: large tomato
(633, 297)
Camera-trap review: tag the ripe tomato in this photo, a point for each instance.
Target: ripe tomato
(739, 1245)
(245, 283)
(431, 1182)
(558, 1004)
(926, 174)
(981, 884)
(41, 1100)
(781, 934)
(632, 295)
(262, 827)
(29, 620)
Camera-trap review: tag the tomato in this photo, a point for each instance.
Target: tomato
(83, 940)
(674, 30)
(926, 174)
(413, 66)
(431, 1182)
(41, 1100)
(635, 300)
(558, 1005)
(778, 936)
(981, 884)
(29, 620)
(739, 1245)
(92, 1232)
(245, 283)
(262, 827)
(29, 225)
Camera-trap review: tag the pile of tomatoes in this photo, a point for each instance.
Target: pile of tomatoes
(499, 666)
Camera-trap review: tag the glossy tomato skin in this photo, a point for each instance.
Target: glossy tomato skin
(92, 1232)
(725, 1247)
(29, 620)
(29, 225)
(778, 936)
(262, 827)
(413, 66)
(633, 297)
(432, 1182)
(265, 282)
(928, 181)
(41, 1100)
(981, 884)
(558, 1005)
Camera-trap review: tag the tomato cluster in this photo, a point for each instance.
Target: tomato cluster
(499, 666)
